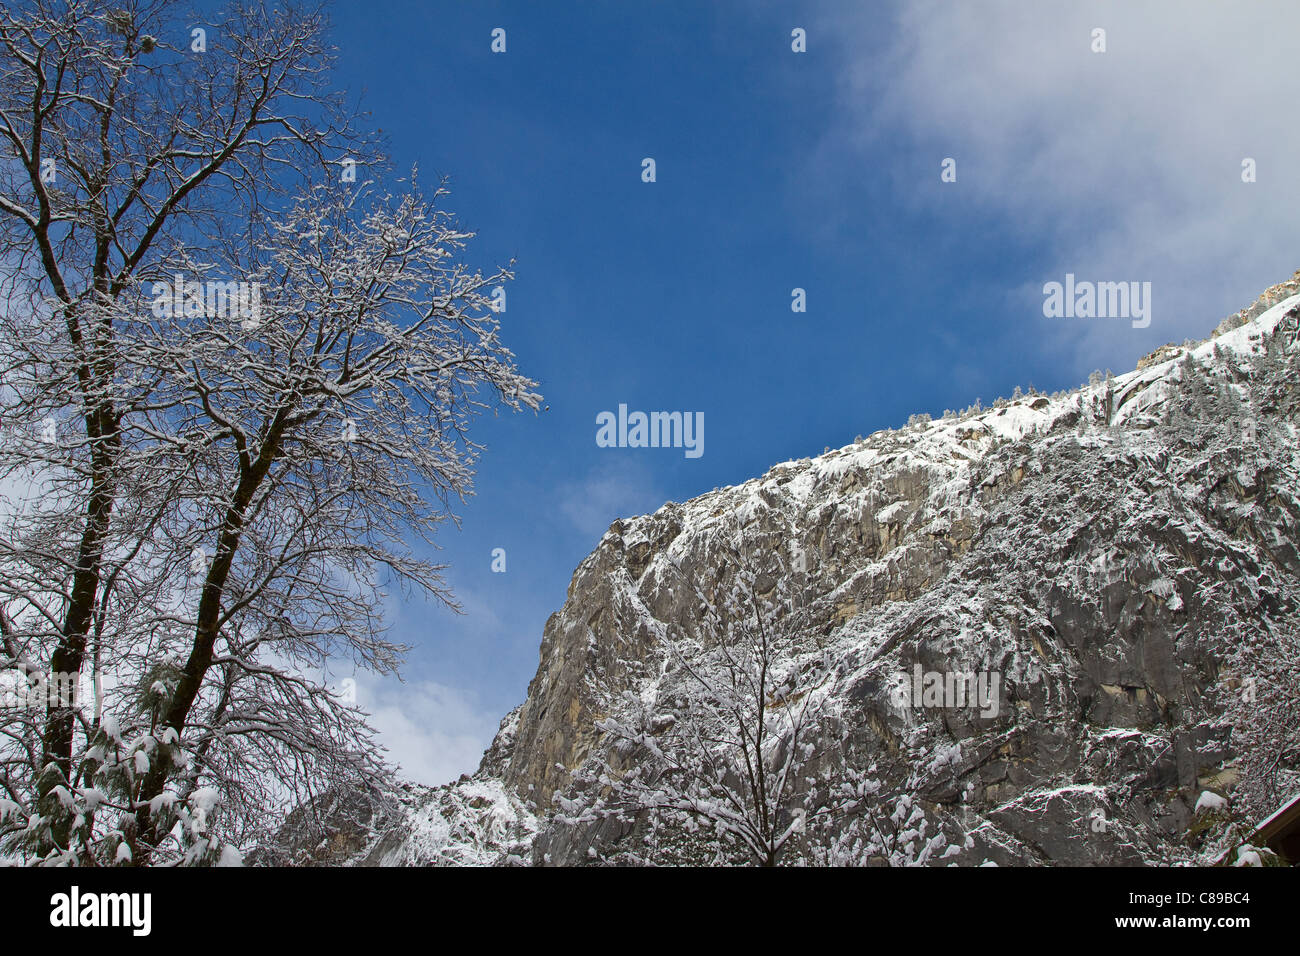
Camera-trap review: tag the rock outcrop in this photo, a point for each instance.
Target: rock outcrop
(1105, 552)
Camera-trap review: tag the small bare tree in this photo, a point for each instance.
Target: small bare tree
(1261, 702)
(734, 736)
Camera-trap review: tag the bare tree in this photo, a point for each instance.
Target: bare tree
(735, 736)
(1261, 702)
(117, 149)
(220, 498)
(328, 430)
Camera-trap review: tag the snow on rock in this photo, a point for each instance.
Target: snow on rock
(1107, 553)
(471, 822)
(1209, 801)
(1248, 856)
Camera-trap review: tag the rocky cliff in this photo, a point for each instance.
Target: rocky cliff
(1122, 557)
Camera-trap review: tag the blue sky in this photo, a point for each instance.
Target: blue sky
(777, 170)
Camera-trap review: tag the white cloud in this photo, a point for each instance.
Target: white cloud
(620, 488)
(1120, 165)
(434, 732)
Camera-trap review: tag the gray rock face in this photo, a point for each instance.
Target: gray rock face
(1101, 553)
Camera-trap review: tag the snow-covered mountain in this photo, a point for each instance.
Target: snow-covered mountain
(1122, 560)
